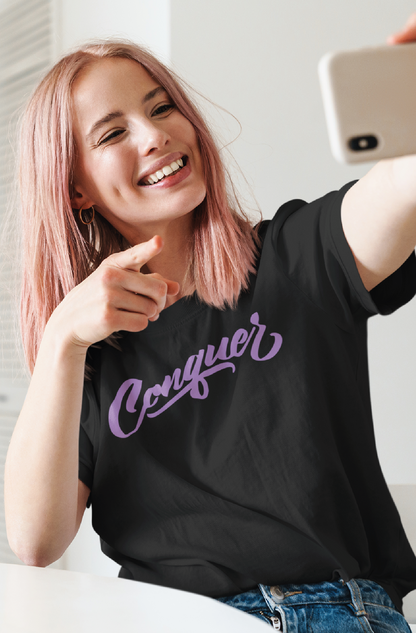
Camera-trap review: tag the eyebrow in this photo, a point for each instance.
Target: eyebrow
(99, 124)
(152, 94)
(118, 113)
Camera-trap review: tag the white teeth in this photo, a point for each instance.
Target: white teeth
(165, 171)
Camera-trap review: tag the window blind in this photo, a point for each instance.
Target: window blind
(25, 53)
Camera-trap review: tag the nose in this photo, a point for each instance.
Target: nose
(151, 137)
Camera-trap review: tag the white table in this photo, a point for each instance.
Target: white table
(35, 600)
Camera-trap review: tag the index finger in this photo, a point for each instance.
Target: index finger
(137, 256)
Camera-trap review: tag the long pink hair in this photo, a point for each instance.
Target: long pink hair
(59, 251)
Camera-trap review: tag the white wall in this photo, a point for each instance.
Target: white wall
(143, 21)
(258, 60)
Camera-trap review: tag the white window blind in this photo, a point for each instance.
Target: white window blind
(25, 53)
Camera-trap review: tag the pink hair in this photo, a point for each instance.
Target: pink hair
(59, 252)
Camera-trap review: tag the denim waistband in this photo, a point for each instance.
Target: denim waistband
(355, 592)
(354, 605)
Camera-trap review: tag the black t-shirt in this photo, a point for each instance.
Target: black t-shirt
(227, 448)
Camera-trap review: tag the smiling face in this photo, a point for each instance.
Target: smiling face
(129, 134)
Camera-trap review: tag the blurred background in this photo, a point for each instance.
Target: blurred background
(258, 61)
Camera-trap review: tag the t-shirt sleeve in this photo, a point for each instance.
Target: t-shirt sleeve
(89, 419)
(312, 251)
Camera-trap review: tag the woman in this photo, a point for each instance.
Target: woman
(145, 293)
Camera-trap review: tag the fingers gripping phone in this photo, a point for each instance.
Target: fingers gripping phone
(369, 98)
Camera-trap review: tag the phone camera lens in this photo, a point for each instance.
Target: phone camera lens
(362, 143)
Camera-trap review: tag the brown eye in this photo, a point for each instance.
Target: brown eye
(110, 136)
(163, 109)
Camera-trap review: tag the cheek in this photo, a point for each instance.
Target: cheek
(193, 138)
(112, 169)
(112, 160)
(190, 135)
(185, 131)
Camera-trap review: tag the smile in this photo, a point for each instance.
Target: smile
(165, 172)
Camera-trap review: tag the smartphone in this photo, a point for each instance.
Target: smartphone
(369, 98)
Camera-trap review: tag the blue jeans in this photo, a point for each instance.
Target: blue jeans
(357, 606)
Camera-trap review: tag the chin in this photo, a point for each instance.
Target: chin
(190, 201)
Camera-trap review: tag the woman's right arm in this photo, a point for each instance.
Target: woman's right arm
(44, 498)
(43, 512)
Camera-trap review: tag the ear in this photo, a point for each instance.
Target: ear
(79, 200)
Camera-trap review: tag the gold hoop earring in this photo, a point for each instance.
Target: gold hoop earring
(91, 220)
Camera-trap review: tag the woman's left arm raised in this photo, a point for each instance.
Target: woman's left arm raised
(379, 211)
